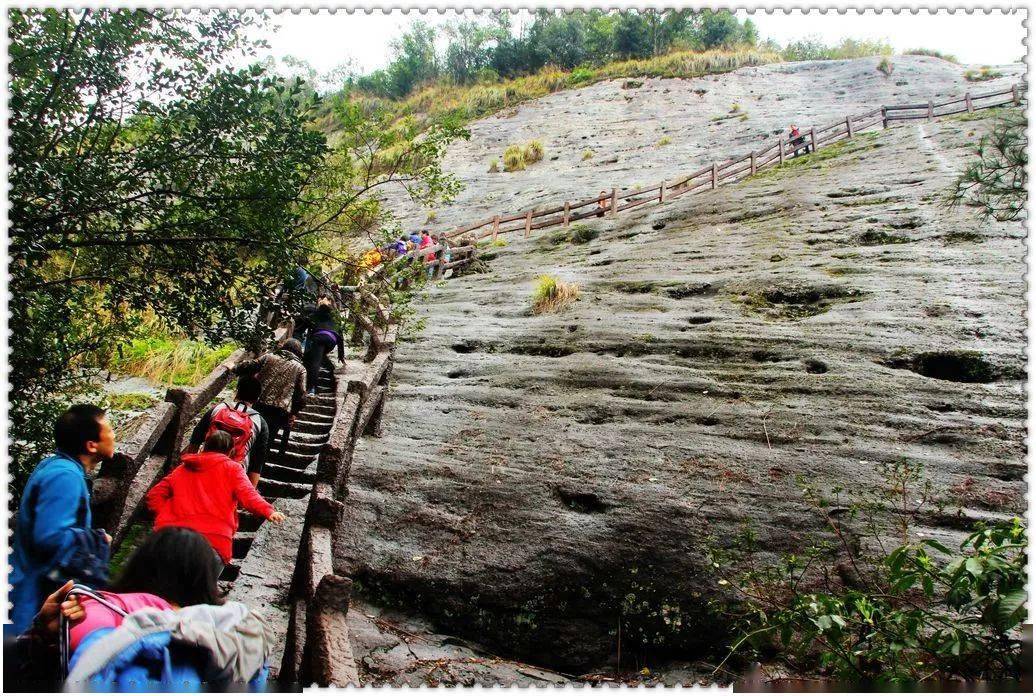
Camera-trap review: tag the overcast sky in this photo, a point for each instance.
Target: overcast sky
(327, 40)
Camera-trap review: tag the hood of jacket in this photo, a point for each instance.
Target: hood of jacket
(203, 461)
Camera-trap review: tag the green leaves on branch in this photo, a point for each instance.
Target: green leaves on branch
(996, 183)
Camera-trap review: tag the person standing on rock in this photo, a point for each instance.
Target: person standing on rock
(322, 337)
(245, 425)
(53, 540)
(282, 393)
(602, 204)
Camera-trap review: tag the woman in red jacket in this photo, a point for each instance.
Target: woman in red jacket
(203, 494)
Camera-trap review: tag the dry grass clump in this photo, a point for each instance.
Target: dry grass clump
(931, 53)
(494, 166)
(982, 74)
(664, 140)
(514, 158)
(533, 151)
(587, 154)
(518, 157)
(551, 295)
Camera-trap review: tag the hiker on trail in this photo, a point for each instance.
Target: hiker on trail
(282, 392)
(203, 494)
(245, 425)
(164, 624)
(53, 538)
(400, 246)
(372, 258)
(797, 141)
(415, 237)
(323, 335)
(602, 204)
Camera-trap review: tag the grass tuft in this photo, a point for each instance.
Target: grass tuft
(170, 361)
(551, 295)
(982, 74)
(514, 158)
(533, 152)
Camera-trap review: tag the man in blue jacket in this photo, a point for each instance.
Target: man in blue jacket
(53, 521)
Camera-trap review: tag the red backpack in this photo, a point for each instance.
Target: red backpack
(238, 424)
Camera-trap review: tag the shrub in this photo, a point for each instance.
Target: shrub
(533, 152)
(581, 234)
(856, 611)
(932, 54)
(982, 74)
(131, 401)
(552, 295)
(587, 154)
(664, 140)
(885, 67)
(514, 158)
(431, 216)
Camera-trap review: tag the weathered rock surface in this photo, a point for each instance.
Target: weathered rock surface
(544, 480)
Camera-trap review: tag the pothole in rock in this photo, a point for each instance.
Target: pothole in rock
(583, 502)
(698, 321)
(660, 225)
(878, 238)
(458, 373)
(546, 350)
(814, 366)
(685, 290)
(466, 346)
(951, 365)
(797, 301)
(763, 355)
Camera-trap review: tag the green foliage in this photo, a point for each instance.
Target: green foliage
(996, 182)
(132, 401)
(581, 234)
(588, 154)
(885, 67)
(813, 48)
(494, 166)
(932, 54)
(918, 611)
(169, 360)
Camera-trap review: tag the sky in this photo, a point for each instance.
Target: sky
(327, 40)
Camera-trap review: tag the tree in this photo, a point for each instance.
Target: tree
(148, 173)
(719, 29)
(996, 182)
(414, 59)
(632, 37)
(469, 50)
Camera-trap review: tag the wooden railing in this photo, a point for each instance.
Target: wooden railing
(714, 175)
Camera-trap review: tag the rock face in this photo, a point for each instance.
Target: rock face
(547, 485)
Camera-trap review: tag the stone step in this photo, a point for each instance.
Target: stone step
(242, 543)
(247, 523)
(291, 459)
(312, 428)
(272, 490)
(320, 409)
(230, 572)
(290, 474)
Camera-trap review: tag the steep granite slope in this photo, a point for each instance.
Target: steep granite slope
(545, 480)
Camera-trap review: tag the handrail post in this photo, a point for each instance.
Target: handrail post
(753, 162)
(566, 213)
(884, 118)
(496, 227)
(615, 201)
(931, 110)
(528, 224)
(1014, 94)
(715, 167)
(849, 126)
(661, 192)
(813, 138)
(780, 146)
(967, 101)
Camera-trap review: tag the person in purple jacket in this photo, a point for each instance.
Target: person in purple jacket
(322, 337)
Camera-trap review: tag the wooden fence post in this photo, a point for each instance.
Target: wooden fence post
(715, 167)
(753, 162)
(884, 118)
(813, 138)
(566, 213)
(615, 201)
(849, 126)
(1014, 95)
(528, 224)
(967, 100)
(931, 110)
(496, 227)
(661, 192)
(780, 145)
